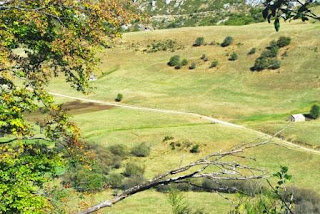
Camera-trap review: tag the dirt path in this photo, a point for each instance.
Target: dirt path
(211, 119)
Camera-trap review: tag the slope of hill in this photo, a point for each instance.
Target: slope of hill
(137, 68)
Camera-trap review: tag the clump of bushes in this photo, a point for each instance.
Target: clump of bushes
(214, 64)
(114, 180)
(119, 97)
(233, 56)
(199, 41)
(267, 59)
(227, 41)
(176, 63)
(315, 112)
(133, 169)
(166, 45)
(252, 51)
(118, 150)
(167, 138)
(192, 66)
(283, 41)
(132, 181)
(141, 150)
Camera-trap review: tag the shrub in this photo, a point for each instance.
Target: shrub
(252, 51)
(133, 169)
(119, 98)
(119, 150)
(274, 64)
(184, 62)
(132, 181)
(203, 56)
(141, 150)
(214, 64)
(305, 200)
(260, 64)
(167, 138)
(172, 145)
(174, 61)
(85, 179)
(199, 41)
(195, 149)
(115, 180)
(227, 41)
(192, 66)
(283, 41)
(233, 56)
(315, 111)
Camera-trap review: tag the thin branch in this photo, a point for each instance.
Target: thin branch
(24, 139)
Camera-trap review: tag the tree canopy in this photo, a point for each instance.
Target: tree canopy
(40, 40)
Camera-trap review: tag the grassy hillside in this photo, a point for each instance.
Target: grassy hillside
(131, 127)
(259, 100)
(262, 100)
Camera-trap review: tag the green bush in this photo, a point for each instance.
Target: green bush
(167, 138)
(233, 56)
(283, 41)
(141, 150)
(132, 181)
(195, 149)
(119, 98)
(252, 51)
(184, 62)
(305, 200)
(227, 41)
(192, 66)
(86, 179)
(214, 64)
(119, 150)
(315, 111)
(203, 56)
(274, 64)
(114, 180)
(133, 169)
(260, 64)
(174, 61)
(199, 41)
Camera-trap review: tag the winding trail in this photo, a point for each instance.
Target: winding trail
(211, 119)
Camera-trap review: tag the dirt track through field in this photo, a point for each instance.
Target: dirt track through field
(211, 119)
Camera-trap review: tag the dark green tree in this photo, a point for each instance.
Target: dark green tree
(315, 111)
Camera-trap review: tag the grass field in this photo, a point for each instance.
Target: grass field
(259, 100)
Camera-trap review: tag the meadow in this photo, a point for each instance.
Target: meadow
(231, 92)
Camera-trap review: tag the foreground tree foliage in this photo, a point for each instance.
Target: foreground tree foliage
(40, 40)
(288, 10)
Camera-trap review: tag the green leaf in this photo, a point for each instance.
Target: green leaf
(277, 24)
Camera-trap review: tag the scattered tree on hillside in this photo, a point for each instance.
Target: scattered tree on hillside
(233, 56)
(192, 66)
(315, 111)
(174, 61)
(199, 41)
(184, 62)
(227, 41)
(119, 97)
